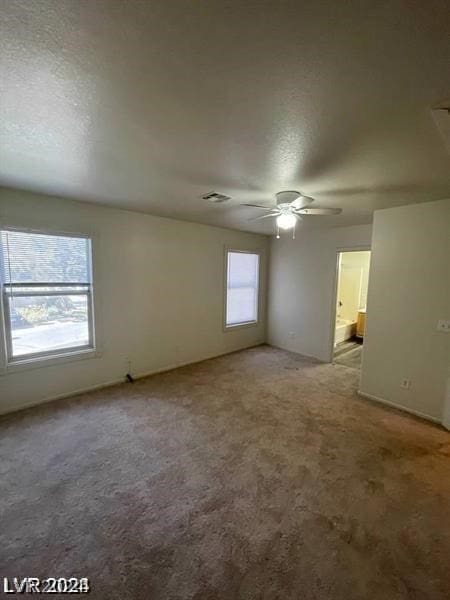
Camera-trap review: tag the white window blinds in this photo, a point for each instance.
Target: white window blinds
(42, 258)
(242, 288)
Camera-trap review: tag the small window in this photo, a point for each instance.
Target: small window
(242, 288)
(46, 293)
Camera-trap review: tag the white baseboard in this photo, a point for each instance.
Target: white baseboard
(287, 349)
(77, 392)
(173, 366)
(401, 407)
(106, 384)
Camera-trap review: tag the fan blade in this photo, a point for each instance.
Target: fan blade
(301, 202)
(260, 206)
(319, 211)
(265, 216)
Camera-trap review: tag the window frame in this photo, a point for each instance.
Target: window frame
(55, 356)
(246, 324)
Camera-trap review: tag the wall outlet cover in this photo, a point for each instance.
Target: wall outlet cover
(443, 325)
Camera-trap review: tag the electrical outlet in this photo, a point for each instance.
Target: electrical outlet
(292, 334)
(405, 384)
(443, 325)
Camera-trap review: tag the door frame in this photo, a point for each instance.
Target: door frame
(365, 248)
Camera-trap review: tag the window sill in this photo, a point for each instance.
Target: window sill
(49, 361)
(240, 325)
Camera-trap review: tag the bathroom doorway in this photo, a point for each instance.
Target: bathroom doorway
(351, 299)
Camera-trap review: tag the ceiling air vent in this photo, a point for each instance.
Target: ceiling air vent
(215, 197)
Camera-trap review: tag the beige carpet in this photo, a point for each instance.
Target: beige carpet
(258, 475)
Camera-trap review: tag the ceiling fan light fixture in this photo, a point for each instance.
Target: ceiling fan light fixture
(286, 221)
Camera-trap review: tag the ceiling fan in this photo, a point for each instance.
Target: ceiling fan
(290, 207)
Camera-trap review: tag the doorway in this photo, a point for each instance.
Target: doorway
(351, 299)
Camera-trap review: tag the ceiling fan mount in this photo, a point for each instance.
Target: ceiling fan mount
(291, 198)
(289, 208)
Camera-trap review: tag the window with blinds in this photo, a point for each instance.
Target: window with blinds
(47, 293)
(242, 288)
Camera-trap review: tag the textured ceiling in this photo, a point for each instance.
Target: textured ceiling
(148, 105)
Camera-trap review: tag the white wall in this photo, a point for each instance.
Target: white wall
(159, 284)
(409, 290)
(302, 284)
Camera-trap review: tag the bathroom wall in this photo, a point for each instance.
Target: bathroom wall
(353, 284)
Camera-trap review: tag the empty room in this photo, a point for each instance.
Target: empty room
(225, 299)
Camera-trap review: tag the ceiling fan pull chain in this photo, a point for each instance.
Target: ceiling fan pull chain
(293, 231)
(278, 232)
